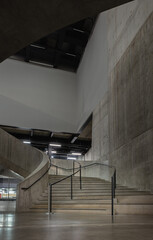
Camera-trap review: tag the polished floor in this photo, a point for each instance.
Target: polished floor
(7, 206)
(41, 226)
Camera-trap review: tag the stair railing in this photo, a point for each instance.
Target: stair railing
(113, 178)
(50, 193)
(113, 182)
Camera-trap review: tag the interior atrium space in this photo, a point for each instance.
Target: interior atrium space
(76, 120)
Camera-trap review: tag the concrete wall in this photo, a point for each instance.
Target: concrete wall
(25, 198)
(123, 120)
(17, 156)
(131, 111)
(28, 162)
(37, 97)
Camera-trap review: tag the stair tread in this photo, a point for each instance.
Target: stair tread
(95, 196)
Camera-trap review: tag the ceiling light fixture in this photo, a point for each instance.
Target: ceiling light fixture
(70, 54)
(27, 142)
(41, 64)
(54, 152)
(74, 139)
(78, 30)
(55, 145)
(36, 46)
(77, 154)
(71, 158)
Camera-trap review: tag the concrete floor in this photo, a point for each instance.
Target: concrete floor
(7, 206)
(74, 226)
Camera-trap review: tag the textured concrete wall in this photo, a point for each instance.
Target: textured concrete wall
(129, 124)
(19, 157)
(25, 198)
(131, 111)
(100, 133)
(28, 162)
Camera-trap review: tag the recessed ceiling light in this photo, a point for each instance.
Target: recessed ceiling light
(36, 46)
(41, 63)
(27, 142)
(74, 139)
(77, 154)
(71, 158)
(53, 151)
(55, 145)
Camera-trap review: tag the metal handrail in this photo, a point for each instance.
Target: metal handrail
(61, 180)
(113, 182)
(113, 179)
(26, 188)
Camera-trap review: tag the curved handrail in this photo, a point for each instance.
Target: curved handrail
(26, 188)
(67, 169)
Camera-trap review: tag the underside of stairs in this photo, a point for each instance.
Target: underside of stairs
(95, 196)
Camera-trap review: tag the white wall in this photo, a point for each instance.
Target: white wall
(62, 101)
(37, 97)
(92, 74)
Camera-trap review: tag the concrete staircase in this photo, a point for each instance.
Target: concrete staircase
(95, 196)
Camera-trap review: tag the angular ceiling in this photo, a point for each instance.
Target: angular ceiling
(62, 49)
(23, 22)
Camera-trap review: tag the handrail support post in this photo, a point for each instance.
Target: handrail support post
(112, 195)
(73, 167)
(80, 178)
(50, 198)
(71, 188)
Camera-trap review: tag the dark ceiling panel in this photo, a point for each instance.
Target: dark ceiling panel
(42, 138)
(24, 22)
(62, 49)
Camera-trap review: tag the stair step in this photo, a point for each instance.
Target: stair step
(73, 206)
(77, 198)
(102, 193)
(82, 211)
(95, 197)
(71, 202)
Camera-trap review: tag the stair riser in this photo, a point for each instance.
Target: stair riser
(76, 202)
(95, 197)
(77, 206)
(148, 199)
(134, 209)
(102, 212)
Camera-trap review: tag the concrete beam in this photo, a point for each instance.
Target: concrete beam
(23, 22)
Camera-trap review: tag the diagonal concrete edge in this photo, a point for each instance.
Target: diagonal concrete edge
(25, 21)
